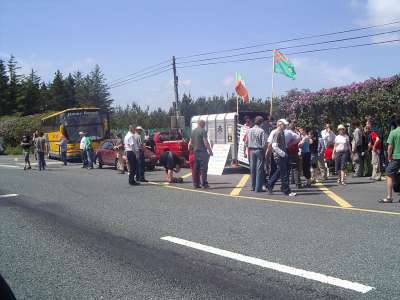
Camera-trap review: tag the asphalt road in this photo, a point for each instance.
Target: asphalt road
(72, 233)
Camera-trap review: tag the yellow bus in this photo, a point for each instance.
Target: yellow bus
(70, 122)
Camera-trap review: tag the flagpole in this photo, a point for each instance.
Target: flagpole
(237, 105)
(273, 82)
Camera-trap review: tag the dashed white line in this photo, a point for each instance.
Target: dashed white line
(358, 287)
(8, 195)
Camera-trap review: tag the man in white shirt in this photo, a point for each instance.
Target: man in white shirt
(140, 159)
(82, 148)
(131, 152)
(328, 135)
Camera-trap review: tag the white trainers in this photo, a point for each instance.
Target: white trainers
(292, 194)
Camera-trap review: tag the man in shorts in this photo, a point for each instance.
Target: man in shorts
(393, 167)
(172, 163)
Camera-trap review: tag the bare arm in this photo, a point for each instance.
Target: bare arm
(207, 144)
(390, 152)
(376, 143)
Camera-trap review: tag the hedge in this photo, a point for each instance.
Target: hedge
(378, 98)
(12, 128)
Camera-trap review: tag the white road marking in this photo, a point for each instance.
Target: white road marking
(273, 266)
(9, 166)
(47, 163)
(8, 195)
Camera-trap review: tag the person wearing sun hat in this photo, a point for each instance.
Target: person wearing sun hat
(341, 153)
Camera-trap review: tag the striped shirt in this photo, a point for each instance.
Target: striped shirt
(256, 138)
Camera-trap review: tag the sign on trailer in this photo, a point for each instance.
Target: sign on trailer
(217, 162)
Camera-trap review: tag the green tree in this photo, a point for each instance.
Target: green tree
(57, 92)
(45, 98)
(29, 100)
(13, 89)
(82, 93)
(69, 91)
(99, 94)
(3, 88)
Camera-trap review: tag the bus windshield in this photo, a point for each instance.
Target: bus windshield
(89, 122)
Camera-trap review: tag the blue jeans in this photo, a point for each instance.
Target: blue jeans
(201, 158)
(282, 173)
(257, 160)
(89, 157)
(41, 162)
(84, 158)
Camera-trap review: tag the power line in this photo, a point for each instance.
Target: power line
(138, 79)
(139, 71)
(292, 53)
(290, 47)
(140, 75)
(291, 40)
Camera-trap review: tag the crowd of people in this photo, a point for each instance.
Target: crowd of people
(283, 150)
(290, 152)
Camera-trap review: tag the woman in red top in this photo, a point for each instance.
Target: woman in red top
(375, 146)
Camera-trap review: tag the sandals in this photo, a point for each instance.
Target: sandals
(386, 200)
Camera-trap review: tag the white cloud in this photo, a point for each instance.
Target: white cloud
(228, 81)
(325, 73)
(383, 11)
(376, 12)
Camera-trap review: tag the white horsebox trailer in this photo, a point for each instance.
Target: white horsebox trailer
(227, 128)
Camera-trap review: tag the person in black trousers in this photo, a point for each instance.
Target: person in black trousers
(131, 151)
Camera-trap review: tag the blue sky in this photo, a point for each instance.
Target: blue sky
(125, 36)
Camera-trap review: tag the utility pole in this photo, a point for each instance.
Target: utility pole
(175, 89)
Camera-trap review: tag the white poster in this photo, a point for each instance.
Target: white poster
(217, 162)
(241, 158)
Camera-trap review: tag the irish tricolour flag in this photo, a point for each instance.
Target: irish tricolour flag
(240, 88)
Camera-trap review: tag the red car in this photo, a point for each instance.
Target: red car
(107, 156)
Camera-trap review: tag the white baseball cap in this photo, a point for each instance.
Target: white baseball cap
(283, 121)
(139, 128)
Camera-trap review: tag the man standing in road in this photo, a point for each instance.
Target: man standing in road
(281, 159)
(132, 151)
(393, 167)
(140, 160)
(256, 142)
(82, 148)
(88, 149)
(40, 144)
(63, 149)
(202, 151)
(356, 149)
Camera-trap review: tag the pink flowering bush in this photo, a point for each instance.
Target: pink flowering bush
(378, 98)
